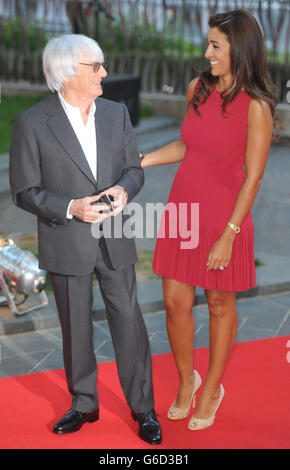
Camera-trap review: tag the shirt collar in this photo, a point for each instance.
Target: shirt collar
(74, 109)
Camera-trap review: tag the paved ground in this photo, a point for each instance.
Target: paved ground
(264, 313)
(259, 317)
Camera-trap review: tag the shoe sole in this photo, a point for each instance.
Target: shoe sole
(200, 429)
(144, 438)
(76, 428)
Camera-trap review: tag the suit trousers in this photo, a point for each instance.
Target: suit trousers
(74, 300)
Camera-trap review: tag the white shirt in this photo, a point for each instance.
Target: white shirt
(86, 134)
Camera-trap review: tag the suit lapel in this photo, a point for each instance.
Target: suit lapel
(60, 126)
(104, 140)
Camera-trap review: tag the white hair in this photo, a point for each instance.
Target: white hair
(60, 57)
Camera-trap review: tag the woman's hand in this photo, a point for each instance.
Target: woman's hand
(221, 251)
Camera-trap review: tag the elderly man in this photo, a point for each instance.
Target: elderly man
(65, 151)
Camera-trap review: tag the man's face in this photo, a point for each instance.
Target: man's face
(86, 84)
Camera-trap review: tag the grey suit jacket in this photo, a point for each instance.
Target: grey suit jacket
(48, 168)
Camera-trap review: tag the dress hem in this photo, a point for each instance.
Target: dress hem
(198, 284)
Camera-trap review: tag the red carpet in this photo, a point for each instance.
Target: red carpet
(255, 413)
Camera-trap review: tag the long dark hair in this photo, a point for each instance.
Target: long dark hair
(248, 63)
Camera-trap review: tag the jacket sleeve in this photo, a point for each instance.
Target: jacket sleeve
(132, 178)
(25, 176)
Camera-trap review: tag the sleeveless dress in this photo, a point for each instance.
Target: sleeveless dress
(210, 176)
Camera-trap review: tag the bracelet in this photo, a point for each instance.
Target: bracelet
(234, 227)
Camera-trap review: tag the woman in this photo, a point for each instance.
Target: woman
(225, 140)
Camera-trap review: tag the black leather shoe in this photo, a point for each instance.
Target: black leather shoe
(73, 420)
(150, 430)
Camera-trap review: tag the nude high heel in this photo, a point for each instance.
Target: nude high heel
(175, 413)
(196, 424)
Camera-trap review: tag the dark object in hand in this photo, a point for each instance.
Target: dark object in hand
(105, 199)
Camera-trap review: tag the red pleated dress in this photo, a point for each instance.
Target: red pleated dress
(210, 176)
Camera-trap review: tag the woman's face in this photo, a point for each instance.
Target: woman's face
(218, 52)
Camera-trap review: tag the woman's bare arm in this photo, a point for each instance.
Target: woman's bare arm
(260, 124)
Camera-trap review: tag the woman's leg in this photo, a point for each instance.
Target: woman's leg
(223, 325)
(179, 300)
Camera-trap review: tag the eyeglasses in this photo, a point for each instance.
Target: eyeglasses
(96, 65)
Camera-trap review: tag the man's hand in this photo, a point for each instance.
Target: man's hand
(120, 198)
(84, 210)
